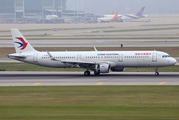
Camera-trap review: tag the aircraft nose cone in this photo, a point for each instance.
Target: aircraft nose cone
(174, 61)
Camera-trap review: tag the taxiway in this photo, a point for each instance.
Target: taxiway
(97, 43)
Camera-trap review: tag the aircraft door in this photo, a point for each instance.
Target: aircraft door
(154, 57)
(79, 57)
(35, 58)
(120, 58)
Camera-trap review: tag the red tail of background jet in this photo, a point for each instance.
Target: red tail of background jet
(115, 17)
(112, 12)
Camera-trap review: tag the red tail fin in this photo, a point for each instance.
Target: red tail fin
(112, 12)
(115, 17)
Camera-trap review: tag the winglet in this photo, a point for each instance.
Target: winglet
(95, 49)
(51, 57)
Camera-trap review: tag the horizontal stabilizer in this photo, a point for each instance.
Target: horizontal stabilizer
(16, 57)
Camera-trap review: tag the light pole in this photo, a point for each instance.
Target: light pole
(23, 9)
(61, 8)
(53, 7)
(15, 11)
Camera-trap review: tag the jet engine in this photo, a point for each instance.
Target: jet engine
(118, 69)
(102, 68)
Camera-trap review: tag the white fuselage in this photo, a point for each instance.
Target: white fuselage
(120, 17)
(131, 17)
(51, 17)
(111, 16)
(113, 58)
(105, 19)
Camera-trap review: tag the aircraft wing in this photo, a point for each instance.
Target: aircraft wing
(81, 63)
(73, 61)
(87, 63)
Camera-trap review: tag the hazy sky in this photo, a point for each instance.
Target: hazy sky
(125, 6)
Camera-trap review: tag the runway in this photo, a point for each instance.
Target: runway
(98, 43)
(22, 78)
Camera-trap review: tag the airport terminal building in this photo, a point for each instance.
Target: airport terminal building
(13, 10)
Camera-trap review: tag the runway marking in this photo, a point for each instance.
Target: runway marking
(162, 83)
(36, 83)
(100, 83)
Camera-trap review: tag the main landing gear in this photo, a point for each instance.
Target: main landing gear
(96, 73)
(87, 73)
(156, 71)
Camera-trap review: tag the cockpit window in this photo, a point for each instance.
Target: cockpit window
(166, 56)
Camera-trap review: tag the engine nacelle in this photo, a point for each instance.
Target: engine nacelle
(102, 68)
(118, 69)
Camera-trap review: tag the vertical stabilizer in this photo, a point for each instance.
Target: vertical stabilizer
(115, 17)
(112, 12)
(20, 43)
(140, 12)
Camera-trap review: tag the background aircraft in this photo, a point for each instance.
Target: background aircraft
(132, 16)
(109, 18)
(97, 61)
(51, 19)
(128, 16)
(112, 12)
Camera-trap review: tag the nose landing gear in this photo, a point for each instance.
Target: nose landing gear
(156, 71)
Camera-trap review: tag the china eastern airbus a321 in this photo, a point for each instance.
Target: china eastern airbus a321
(97, 61)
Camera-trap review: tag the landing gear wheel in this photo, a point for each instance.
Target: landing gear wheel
(157, 73)
(96, 73)
(87, 73)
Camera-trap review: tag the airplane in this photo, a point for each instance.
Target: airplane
(97, 61)
(50, 18)
(132, 16)
(112, 15)
(109, 18)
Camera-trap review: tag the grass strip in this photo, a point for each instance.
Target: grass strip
(133, 30)
(32, 30)
(89, 102)
(161, 25)
(91, 38)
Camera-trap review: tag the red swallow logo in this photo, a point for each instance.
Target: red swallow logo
(23, 44)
